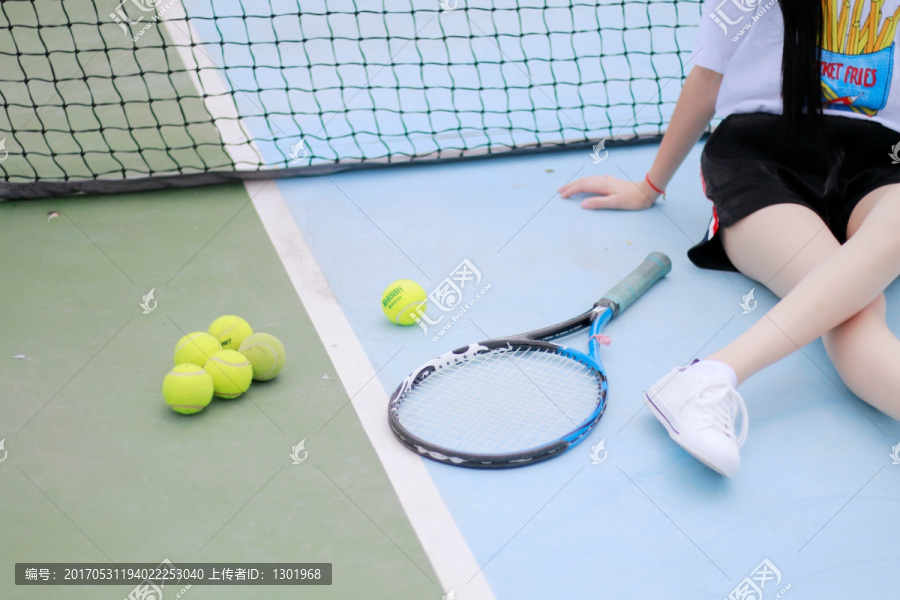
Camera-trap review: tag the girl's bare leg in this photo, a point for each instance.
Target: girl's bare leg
(828, 290)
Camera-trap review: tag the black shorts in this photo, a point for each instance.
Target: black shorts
(749, 163)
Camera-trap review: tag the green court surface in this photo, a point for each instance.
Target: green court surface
(81, 99)
(100, 470)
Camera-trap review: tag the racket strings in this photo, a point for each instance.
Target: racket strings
(502, 401)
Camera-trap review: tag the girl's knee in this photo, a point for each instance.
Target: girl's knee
(861, 349)
(853, 336)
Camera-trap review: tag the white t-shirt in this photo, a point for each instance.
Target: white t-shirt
(743, 40)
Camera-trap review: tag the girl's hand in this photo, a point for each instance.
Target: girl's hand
(611, 192)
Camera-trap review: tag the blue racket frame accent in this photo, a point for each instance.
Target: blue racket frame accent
(591, 359)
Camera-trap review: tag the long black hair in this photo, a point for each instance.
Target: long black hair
(800, 77)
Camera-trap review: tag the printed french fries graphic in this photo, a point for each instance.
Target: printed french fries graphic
(857, 55)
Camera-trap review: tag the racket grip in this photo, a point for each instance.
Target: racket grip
(654, 268)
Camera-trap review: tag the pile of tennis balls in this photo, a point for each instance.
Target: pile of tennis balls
(220, 361)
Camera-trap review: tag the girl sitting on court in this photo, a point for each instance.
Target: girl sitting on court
(805, 201)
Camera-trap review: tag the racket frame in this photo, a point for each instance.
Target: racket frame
(534, 341)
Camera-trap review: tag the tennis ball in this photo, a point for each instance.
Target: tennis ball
(187, 389)
(230, 331)
(266, 355)
(196, 348)
(231, 373)
(402, 300)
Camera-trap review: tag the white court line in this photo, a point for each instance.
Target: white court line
(450, 555)
(444, 544)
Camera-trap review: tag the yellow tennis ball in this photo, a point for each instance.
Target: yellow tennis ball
(196, 348)
(187, 389)
(266, 355)
(403, 300)
(231, 373)
(230, 331)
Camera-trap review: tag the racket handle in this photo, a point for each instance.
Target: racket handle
(654, 268)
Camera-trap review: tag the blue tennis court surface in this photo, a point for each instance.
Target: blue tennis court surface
(817, 495)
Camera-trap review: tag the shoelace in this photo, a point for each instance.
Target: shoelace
(723, 405)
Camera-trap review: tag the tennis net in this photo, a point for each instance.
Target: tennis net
(110, 95)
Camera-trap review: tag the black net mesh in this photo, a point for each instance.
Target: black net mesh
(108, 95)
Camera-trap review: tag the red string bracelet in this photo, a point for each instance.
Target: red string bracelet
(650, 183)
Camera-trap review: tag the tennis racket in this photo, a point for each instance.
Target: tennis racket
(516, 400)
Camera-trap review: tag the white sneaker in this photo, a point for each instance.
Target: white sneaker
(699, 411)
